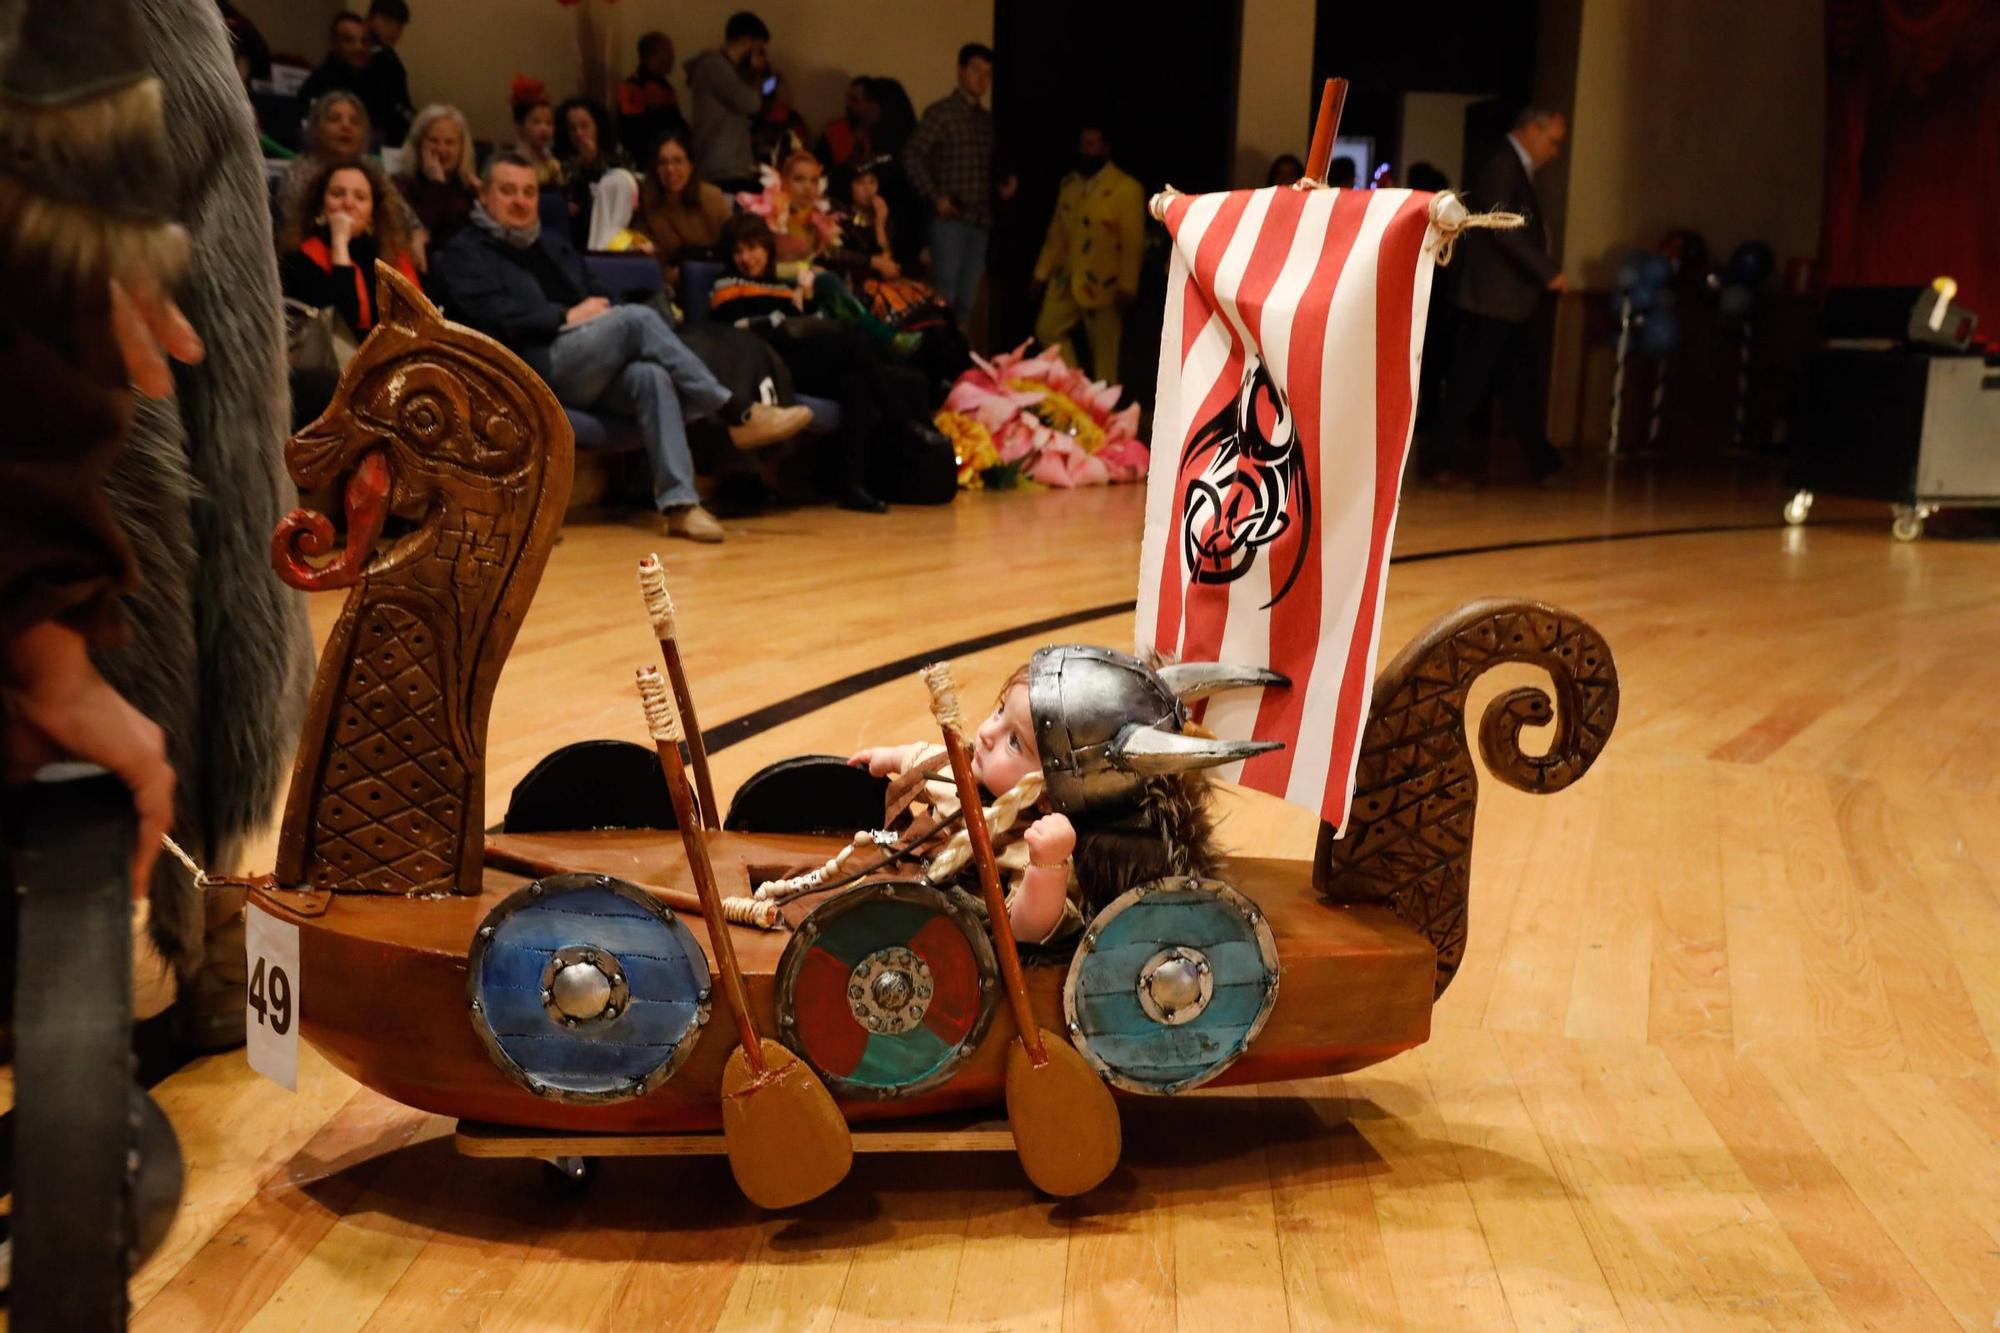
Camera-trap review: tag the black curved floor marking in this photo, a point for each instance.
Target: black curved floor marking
(739, 729)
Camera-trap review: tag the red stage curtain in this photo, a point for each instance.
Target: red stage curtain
(1913, 146)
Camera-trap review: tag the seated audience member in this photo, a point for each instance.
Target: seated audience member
(891, 120)
(779, 130)
(864, 257)
(844, 142)
(682, 214)
(528, 288)
(327, 250)
(252, 52)
(884, 409)
(793, 206)
(337, 130)
(386, 84)
(439, 179)
(586, 150)
(648, 107)
(725, 93)
(613, 200)
(345, 68)
(535, 130)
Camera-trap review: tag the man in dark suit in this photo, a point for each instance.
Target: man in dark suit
(1501, 278)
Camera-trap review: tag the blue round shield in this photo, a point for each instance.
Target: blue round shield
(585, 989)
(1171, 983)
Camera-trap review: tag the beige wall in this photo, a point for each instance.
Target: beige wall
(293, 27)
(466, 51)
(1701, 113)
(1274, 101)
(1433, 131)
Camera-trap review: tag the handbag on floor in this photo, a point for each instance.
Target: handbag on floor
(317, 339)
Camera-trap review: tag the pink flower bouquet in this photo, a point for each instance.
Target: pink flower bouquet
(1043, 420)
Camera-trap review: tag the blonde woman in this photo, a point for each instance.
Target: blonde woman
(439, 179)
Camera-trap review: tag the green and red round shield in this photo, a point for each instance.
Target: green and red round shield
(886, 989)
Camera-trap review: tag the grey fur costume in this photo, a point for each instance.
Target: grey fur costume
(219, 652)
(217, 648)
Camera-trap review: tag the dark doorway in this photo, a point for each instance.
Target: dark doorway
(1163, 80)
(1385, 51)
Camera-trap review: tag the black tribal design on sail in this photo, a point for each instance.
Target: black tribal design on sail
(1244, 485)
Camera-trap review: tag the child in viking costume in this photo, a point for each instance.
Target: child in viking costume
(1124, 800)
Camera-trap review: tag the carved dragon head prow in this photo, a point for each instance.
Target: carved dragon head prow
(456, 439)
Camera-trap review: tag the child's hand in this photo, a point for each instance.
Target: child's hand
(1050, 840)
(881, 761)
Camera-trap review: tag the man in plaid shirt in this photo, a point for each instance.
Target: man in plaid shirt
(950, 161)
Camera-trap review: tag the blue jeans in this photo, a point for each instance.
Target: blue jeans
(628, 361)
(958, 260)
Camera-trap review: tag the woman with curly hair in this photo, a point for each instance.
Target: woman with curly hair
(338, 130)
(439, 178)
(327, 252)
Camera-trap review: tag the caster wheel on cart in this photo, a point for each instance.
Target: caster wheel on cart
(1798, 507)
(1908, 524)
(567, 1177)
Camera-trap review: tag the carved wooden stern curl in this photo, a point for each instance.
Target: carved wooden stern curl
(1409, 838)
(452, 434)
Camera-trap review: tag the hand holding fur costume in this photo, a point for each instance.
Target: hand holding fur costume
(1125, 787)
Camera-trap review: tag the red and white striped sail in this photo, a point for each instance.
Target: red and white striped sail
(1288, 373)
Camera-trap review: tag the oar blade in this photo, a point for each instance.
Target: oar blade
(1065, 1124)
(787, 1141)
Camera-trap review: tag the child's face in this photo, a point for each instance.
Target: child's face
(864, 190)
(751, 258)
(1003, 749)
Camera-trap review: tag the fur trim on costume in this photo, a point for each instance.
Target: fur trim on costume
(1171, 833)
(219, 653)
(80, 194)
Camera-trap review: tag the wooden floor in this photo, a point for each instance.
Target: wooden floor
(1721, 1053)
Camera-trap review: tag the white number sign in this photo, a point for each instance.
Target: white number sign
(271, 1013)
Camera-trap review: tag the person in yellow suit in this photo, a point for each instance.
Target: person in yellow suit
(1088, 272)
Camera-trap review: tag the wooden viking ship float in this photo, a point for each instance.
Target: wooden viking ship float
(548, 981)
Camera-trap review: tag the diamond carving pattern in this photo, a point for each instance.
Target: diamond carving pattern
(391, 765)
(1409, 839)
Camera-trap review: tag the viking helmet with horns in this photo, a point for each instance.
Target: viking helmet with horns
(1105, 722)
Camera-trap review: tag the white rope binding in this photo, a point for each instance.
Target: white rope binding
(1449, 217)
(659, 603)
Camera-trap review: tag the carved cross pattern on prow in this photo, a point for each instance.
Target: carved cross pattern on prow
(453, 432)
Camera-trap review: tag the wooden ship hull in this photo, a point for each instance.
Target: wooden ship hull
(384, 863)
(1357, 988)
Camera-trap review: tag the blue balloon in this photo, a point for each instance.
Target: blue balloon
(1632, 270)
(1660, 333)
(1656, 270)
(1749, 264)
(1640, 299)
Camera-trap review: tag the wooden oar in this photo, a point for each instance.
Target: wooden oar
(786, 1139)
(660, 607)
(1065, 1124)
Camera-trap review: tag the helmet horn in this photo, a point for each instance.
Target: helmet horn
(1152, 750)
(1197, 680)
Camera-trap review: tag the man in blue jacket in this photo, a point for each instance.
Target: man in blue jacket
(506, 277)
